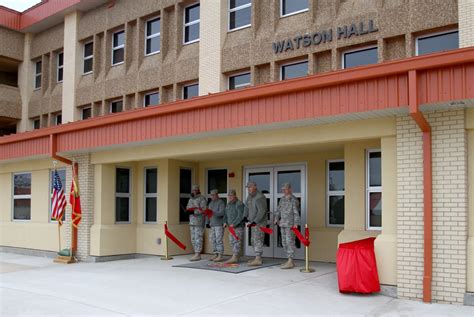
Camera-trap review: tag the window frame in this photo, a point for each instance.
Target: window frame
(123, 195)
(229, 11)
(149, 195)
(421, 37)
(239, 74)
(292, 13)
(293, 63)
(110, 105)
(40, 75)
(20, 196)
(82, 112)
(59, 67)
(185, 195)
(147, 37)
(364, 48)
(221, 195)
(114, 48)
(371, 189)
(151, 93)
(330, 193)
(84, 57)
(191, 23)
(51, 170)
(188, 85)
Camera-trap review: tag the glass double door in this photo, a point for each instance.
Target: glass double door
(269, 181)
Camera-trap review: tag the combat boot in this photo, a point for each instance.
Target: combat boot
(288, 265)
(218, 258)
(214, 257)
(256, 262)
(234, 259)
(196, 257)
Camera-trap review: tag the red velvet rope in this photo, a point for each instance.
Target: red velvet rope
(232, 232)
(173, 238)
(300, 237)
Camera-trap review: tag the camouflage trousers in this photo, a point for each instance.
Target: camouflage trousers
(216, 237)
(196, 238)
(288, 241)
(236, 244)
(257, 240)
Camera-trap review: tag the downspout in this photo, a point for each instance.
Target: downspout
(427, 184)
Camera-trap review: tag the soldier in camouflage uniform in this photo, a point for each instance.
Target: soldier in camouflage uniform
(215, 223)
(287, 216)
(234, 217)
(198, 203)
(256, 212)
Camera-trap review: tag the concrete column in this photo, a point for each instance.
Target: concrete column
(466, 22)
(25, 81)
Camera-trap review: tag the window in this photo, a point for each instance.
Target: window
(151, 194)
(290, 7)
(294, 70)
(217, 179)
(239, 81)
(185, 182)
(58, 119)
(36, 124)
(22, 196)
(374, 189)
(38, 70)
(191, 24)
(86, 113)
(59, 75)
(151, 99)
(116, 106)
(239, 14)
(152, 37)
(62, 177)
(123, 195)
(335, 193)
(88, 58)
(437, 42)
(190, 91)
(118, 48)
(360, 57)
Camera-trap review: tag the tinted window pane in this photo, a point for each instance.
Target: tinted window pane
(60, 59)
(375, 204)
(38, 67)
(290, 6)
(262, 180)
(294, 70)
(438, 43)
(153, 45)
(116, 106)
(121, 209)
(336, 210)
(38, 81)
(119, 38)
(122, 180)
(191, 32)
(217, 179)
(22, 184)
(118, 56)
(238, 3)
(59, 119)
(153, 27)
(239, 81)
(36, 124)
(22, 209)
(183, 214)
(88, 49)
(336, 176)
(192, 13)
(360, 58)
(60, 74)
(152, 99)
(239, 18)
(292, 177)
(87, 65)
(185, 179)
(191, 91)
(375, 168)
(86, 113)
(151, 180)
(150, 212)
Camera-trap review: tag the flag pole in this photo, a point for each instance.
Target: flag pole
(59, 224)
(72, 210)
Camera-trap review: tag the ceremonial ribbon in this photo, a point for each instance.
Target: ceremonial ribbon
(232, 232)
(304, 240)
(208, 212)
(263, 229)
(173, 238)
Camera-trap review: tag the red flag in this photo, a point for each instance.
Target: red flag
(75, 199)
(173, 238)
(58, 202)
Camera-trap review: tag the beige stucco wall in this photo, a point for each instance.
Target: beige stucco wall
(470, 242)
(15, 46)
(10, 102)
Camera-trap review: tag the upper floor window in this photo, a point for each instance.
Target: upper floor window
(437, 42)
(239, 14)
(118, 47)
(190, 91)
(335, 193)
(86, 113)
(239, 81)
(151, 99)
(22, 196)
(88, 57)
(289, 7)
(191, 23)
(123, 196)
(294, 70)
(59, 75)
(36, 124)
(58, 119)
(152, 40)
(38, 71)
(374, 189)
(116, 106)
(361, 57)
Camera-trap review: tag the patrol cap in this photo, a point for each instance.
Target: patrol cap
(251, 183)
(214, 192)
(232, 192)
(286, 186)
(195, 187)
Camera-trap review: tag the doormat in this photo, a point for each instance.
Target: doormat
(231, 268)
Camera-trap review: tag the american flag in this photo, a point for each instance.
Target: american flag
(58, 199)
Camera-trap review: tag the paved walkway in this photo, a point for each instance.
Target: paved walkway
(148, 286)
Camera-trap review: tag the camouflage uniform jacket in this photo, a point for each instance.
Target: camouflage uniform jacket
(256, 208)
(288, 211)
(218, 208)
(196, 218)
(234, 213)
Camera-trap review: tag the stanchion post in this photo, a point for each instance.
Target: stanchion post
(166, 257)
(307, 269)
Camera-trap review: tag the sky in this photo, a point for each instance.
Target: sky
(19, 5)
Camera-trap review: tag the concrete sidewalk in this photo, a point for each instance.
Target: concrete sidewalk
(148, 286)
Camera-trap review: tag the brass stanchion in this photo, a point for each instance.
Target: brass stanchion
(307, 268)
(166, 257)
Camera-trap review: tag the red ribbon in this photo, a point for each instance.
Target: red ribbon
(173, 238)
(263, 229)
(232, 232)
(208, 212)
(300, 237)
